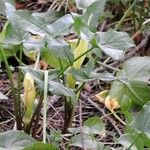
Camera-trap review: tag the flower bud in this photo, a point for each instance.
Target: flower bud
(29, 97)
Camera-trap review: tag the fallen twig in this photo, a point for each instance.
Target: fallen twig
(130, 54)
(103, 113)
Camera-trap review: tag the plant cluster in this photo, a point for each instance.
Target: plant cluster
(42, 36)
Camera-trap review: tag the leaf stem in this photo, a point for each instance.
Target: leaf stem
(9, 73)
(64, 69)
(45, 105)
(69, 112)
(19, 84)
(61, 67)
(80, 87)
(69, 108)
(36, 115)
(118, 118)
(18, 60)
(37, 60)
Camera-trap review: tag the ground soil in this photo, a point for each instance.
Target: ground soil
(56, 104)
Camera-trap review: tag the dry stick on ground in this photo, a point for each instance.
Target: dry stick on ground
(103, 26)
(13, 117)
(128, 55)
(103, 113)
(132, 52)
(57, 113)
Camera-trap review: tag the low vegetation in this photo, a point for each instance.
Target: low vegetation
(93, 55)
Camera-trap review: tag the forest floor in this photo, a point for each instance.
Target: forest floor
(88, 105)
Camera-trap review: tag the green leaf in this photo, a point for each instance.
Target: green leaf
(60, 49)
(57, 50)
(55, 137)
(127, 139)
(86, 74)
(129, 117)
(98, 52)
(86, 34)
(73, 44)
(83, 4)
(146, 140)
(92, 10)
(15, 140)
(114, 43)
(35, 24)
(24, 20)
(82, 76)
(27, 22)
(142, 120)
(49, 17)
(59, 89)
(143, 137)
(33, 43)
(2, 37)
(93, 13)
(86, 141)
(92, 126)
(2, 5)
(96, 125)
(3, 32)
(62, 26)
(52, 60)
(133, 81)
(89, 67)
(40, 146)
(77, 130)
(82, 29)
(126, 103)
(14, 35)
(9, 48)
(78, 23)
(54, 86)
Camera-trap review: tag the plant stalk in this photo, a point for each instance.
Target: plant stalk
(68, 112)
(61, 67)
(69, 108)
(117, 117)
(45, 105)
(64, 69)
(35, 114)
(19, 84)
(15, 100)
(37, 60)
(125, 15)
